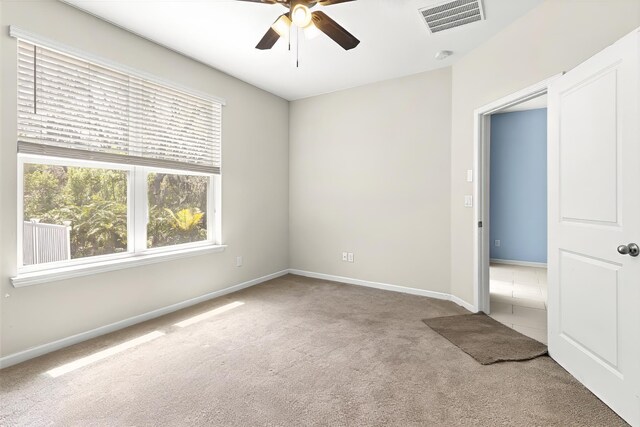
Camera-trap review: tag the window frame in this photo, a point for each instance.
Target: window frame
(55, 271)
(137, 217)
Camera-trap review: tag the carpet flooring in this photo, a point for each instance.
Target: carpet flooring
(296, 352)
(485, 339)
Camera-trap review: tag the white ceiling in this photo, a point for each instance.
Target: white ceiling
(394, 39)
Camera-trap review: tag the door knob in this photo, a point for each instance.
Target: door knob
(631, 249)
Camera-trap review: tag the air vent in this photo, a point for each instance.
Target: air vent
(450, 14)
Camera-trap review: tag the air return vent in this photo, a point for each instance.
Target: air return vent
(450, 14)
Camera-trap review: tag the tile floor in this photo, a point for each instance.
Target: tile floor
(519, 299)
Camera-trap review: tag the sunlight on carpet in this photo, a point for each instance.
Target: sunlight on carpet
(76, 364)
(208, 314)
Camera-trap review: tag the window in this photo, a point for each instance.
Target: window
(177, 209)
(73, 212)
(112, 165)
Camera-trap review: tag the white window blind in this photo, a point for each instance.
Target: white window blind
(70, 107)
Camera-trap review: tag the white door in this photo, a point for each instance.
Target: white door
(594, 207)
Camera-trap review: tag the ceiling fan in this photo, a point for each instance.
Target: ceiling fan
(312, 23)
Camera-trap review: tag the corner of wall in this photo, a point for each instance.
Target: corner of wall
(290, 105)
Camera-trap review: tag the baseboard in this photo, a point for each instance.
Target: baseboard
(387, 287)
(462, 303)
(40, 350)
(520, 263)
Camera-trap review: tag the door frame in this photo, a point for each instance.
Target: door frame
(481, 175)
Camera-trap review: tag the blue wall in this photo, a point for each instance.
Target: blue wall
(519, 186)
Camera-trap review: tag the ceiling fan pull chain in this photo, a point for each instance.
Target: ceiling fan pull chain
(290, 37)
(297, 47)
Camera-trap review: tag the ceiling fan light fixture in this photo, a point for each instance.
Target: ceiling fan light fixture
(301, 15)
(282, 25)
(311, 31)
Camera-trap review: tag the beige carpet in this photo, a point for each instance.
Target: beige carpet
(298, 352)
(485, 339)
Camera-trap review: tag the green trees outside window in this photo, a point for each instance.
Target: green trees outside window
(93, 202)
(177, 209)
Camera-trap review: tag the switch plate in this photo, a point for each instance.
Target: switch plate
(468, 201)
(469, 175)
(350, 256)
(239, 261)
(497, 243)
(344, 256)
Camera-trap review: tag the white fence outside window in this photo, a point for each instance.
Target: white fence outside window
(43, 243)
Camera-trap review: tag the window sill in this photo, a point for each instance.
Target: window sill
(52, 275)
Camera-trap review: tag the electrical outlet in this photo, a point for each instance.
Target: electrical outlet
(239, 261)
(497, 243)
(468, 201)
(350, 256)
(344, 256)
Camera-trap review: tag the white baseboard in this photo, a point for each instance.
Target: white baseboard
(13, 359)
(387, 287)
(462, 303)
(520, 263)
(30, 353)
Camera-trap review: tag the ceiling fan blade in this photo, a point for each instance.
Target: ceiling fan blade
(332, 29)
(269, 39)
(330, 2)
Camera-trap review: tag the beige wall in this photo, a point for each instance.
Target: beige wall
(369, 180)
(554, 37)
(370, 175)
(254, 200)
(377, 170)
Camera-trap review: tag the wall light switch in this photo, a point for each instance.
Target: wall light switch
(497, 243)
(344, 256)
(239, 261)
(469, 175)
(468, 201)
(350, 256)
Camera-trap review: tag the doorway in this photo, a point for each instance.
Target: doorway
(518, 217)
(593, 227)
(511, 210)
